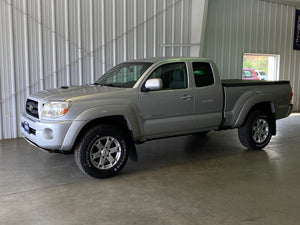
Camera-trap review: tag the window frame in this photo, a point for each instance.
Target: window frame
(167, 63)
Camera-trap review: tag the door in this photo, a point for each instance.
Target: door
(168, 111)
(208, 97)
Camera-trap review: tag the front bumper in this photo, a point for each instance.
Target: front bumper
(48, 135)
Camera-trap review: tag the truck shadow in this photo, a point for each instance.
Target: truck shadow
(185, 150)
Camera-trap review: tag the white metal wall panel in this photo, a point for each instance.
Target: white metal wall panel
(235, 27)
(48, 43)
(8, 85)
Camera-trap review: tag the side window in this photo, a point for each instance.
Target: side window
(173, 75)
(203, 74)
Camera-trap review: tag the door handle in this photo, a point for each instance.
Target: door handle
(186, 98)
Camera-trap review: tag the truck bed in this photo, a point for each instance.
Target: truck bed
(240, 82)
(237, 92)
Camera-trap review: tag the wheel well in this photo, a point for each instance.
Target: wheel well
(267, 107)
(118, 121)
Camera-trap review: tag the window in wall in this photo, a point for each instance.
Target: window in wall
(260, 66)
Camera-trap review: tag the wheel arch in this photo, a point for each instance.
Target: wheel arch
(119, 121)
(266, 106)
(115, 120)
(121, 115)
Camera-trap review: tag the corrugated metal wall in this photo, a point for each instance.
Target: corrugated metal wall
(235, 27)
(49, 43)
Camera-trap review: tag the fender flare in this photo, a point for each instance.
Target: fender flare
(97, 113)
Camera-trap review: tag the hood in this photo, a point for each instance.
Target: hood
(68, 93)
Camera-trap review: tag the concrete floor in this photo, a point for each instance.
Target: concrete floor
(185, 180)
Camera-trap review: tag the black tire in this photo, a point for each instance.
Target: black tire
(256, 131)
(103, 152)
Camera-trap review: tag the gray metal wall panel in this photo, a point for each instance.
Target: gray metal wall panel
(235, 27)
(48, 43)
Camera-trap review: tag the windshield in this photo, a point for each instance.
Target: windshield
(124, 75)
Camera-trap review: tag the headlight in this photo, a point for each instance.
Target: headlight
(55, 109)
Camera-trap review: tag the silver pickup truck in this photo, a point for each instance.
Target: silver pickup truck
(148, 99)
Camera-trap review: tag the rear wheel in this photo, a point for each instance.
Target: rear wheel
(256, 131)
(103, 152)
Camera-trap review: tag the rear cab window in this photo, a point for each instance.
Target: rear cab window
(203, 74)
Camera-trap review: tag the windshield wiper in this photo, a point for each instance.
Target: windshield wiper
(110, 85)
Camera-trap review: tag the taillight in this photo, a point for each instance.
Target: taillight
(291, 97)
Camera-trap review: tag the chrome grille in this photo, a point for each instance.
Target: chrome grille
(32, 108)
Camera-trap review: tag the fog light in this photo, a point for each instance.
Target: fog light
(48, 134)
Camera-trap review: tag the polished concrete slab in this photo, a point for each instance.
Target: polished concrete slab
(191, 180)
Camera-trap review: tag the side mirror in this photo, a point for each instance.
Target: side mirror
(154, 84)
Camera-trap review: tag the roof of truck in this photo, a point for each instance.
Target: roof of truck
(158, 59)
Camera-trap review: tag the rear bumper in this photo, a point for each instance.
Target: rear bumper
(289, 110)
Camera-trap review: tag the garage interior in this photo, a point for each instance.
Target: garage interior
(209, 179)
(194, 179)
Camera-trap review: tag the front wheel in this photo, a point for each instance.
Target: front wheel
(256, 131)
(102, 152)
